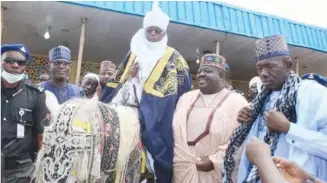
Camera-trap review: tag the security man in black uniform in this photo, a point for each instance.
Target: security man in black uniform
(23, 111)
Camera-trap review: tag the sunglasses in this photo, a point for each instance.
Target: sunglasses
(151, 29)
(13, 61)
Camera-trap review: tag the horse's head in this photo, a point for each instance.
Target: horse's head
(71, 141)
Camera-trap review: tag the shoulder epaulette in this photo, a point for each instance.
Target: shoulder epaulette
(36, 87)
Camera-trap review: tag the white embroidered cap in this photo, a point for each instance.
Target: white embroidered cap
(92, 75)
(156, 17)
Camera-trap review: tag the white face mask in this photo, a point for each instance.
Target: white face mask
(11, 78)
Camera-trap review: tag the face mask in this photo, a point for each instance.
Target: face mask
(11, 78)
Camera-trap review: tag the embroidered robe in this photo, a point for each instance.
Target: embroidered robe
(168, 80)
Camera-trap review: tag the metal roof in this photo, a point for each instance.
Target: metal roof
(224, 18)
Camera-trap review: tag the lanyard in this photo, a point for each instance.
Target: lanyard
(209, 121)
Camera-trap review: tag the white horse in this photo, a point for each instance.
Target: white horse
(88, 141)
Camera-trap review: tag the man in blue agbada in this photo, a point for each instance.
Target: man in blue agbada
(289, 114)
(152, 78)
(60, 65)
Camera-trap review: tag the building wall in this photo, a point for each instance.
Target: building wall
(34, 65)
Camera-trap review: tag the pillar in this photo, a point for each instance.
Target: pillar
(297, 65)
(2, 10)
(217, 47)
(80, 51)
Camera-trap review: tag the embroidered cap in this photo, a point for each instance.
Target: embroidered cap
(271, 46)
(107, 66)
(60, 53)
(214, 60)
(16, 47)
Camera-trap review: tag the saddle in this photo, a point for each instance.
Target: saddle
(90, 141)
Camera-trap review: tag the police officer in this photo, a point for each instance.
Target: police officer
(22, 112)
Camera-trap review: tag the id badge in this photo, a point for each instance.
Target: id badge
(20, 131)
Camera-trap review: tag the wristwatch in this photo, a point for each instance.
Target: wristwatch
(312, 179)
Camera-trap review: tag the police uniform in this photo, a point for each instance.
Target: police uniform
(22, 111)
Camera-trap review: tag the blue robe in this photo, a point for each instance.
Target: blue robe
(65, 93)
(169, 80)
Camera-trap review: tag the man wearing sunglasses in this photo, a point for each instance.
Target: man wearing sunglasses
(23, 110)
(60, 66)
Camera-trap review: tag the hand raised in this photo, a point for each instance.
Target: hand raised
(257, 151)
(292, 172)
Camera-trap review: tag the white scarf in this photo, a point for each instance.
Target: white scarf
(147, 52)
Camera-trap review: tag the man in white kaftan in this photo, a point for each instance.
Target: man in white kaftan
(291, 110)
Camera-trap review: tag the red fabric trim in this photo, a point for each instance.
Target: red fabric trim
(208, 126)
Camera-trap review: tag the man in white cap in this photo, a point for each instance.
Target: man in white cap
(90, 82)
(152, 78)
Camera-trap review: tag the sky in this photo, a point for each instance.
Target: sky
(312, 12)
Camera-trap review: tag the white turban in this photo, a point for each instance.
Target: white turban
(156, 18)
(256, 80)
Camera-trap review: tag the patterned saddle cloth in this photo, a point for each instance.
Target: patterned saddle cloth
(89, 141)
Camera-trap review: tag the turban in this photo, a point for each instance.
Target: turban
(156, 18)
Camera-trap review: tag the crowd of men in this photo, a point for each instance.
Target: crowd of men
(278, 133)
